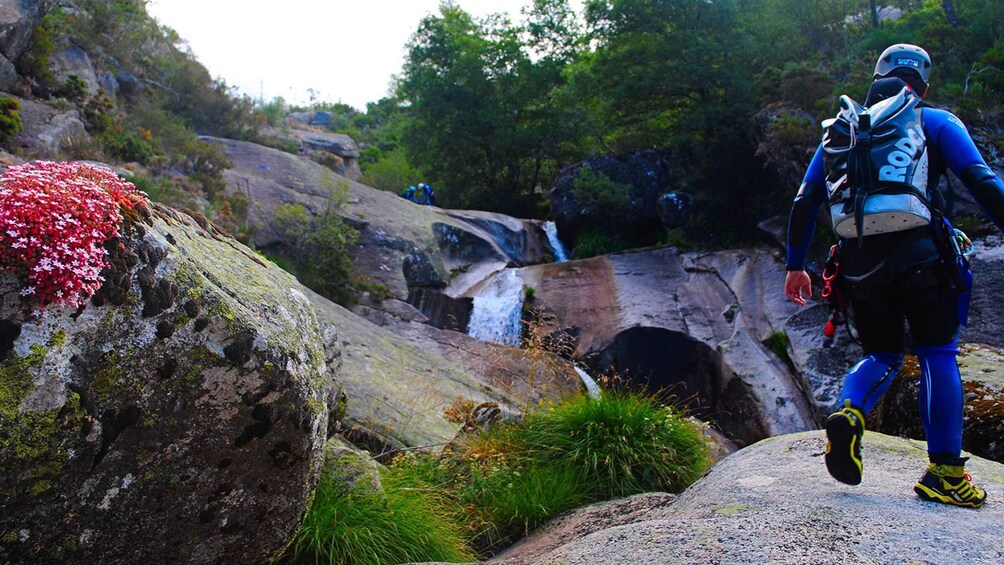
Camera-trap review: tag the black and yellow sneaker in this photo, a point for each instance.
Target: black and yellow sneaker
(844, 429)
(949, 484)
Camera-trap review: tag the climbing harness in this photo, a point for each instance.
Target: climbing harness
(833, 296)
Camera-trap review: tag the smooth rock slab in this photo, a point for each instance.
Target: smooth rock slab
(774, 502)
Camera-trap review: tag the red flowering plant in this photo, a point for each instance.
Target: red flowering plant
(54, 221)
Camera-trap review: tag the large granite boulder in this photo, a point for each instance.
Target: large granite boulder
(700, 325)
(744, 511)
(397, 387)
(180, 416)
(48, 131)
(73, 61)
(401, 245)
(650, 173)
(522, 375)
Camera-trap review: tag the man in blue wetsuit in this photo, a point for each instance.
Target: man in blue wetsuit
(891, 279)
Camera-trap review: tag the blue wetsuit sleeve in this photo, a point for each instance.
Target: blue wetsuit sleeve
(950, 135)
(948, 132)
(802, 220)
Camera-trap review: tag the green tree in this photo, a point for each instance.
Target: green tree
(481, 110)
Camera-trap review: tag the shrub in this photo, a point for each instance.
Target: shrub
(316, 247)
(593, 241)
(625, 442)
(73, 89)
(127, 146)
(391, 171)
(10, 119)
(54, 221)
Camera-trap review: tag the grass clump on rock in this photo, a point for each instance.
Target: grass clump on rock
(400, 523)
(512, 478)
(492, 486)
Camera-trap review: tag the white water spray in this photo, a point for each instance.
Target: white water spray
(551, 229)
(498, 308)
(592, 388)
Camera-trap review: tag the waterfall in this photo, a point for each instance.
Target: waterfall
(498, 308)
(591, 387)
(551, 229)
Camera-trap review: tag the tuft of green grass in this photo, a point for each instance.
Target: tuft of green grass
(512, 478)
(778, 343)
(405, 523)
(493, 486)
(626, 443)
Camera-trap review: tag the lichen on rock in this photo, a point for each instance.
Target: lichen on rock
(133, 432)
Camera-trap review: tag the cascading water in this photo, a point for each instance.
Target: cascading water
(498, 308)
(551, 229)
(591, 387)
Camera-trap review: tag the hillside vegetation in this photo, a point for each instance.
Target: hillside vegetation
(490, 110)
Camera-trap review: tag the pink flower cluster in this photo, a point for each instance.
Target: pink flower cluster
(54, 221)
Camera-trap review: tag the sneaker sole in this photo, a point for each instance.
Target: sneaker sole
(841, 462)
(932, 495)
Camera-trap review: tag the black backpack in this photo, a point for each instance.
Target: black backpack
(876, 163)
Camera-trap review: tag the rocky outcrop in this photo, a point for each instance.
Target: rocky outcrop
(336, 150)
(649, 173)
(695, 324)
(18, 20)
(522, 374)
(48, 131)
(744, 511)
(401, 244)
(523, 240)
(786, 137)
(180, 415)
(73, 61)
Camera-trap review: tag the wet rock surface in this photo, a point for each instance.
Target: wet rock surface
(184, 418)
(695, 324)
(744, 511)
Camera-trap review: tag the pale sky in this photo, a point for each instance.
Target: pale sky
(345, 50)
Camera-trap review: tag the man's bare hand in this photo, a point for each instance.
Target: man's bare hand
(794, 284)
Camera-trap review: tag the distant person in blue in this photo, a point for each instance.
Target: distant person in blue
(423, 194)
(893, 276)
(408, 193)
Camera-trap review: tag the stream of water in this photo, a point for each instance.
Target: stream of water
(551, 229)
(498, 307)
(591, 387)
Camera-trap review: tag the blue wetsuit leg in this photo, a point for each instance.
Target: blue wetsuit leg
(941, 401)
(868, 380)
